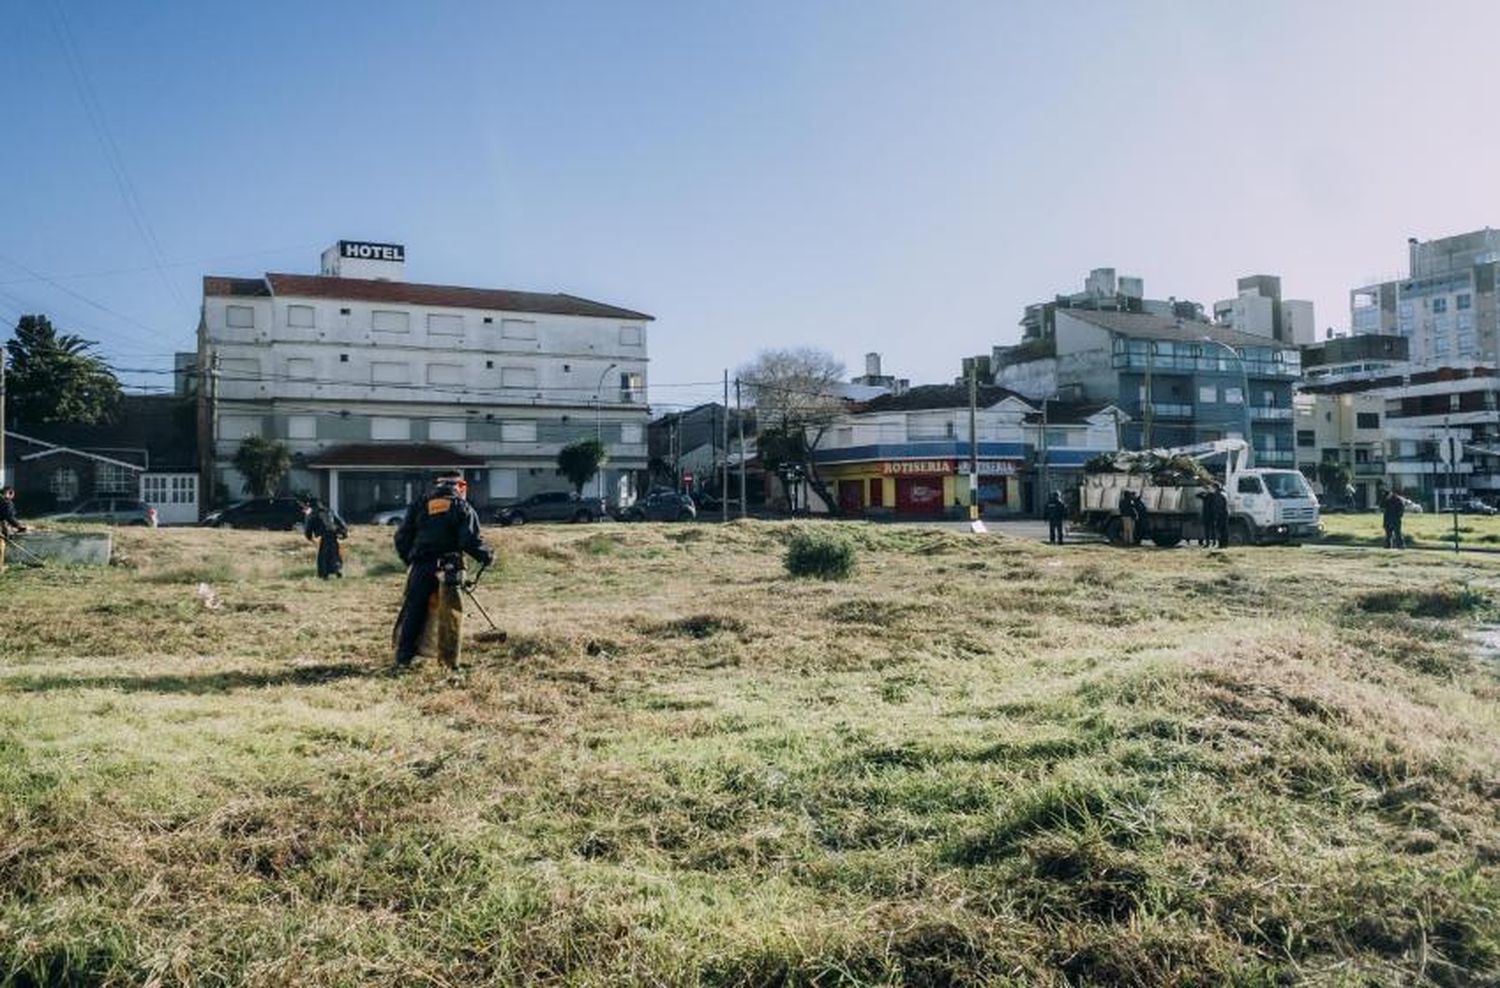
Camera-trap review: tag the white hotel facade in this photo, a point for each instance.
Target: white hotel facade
(374, 383)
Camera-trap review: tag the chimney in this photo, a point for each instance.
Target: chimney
(1411, 250)
(872, 365)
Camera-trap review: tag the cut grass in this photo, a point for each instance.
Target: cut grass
(974, 761)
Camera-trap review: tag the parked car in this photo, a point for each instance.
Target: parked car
(110, 511)
(1474, 506)
(389, 516)
(552, 506)
(280, 513)
(661, 506)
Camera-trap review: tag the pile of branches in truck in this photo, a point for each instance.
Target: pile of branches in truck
(1162, 466)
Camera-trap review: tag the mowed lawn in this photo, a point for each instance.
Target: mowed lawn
(978, 761)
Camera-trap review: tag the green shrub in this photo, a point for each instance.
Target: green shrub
(825, 555)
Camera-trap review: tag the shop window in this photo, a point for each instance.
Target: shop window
(877, 492)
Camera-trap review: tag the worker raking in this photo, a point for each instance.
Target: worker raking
(438, 530)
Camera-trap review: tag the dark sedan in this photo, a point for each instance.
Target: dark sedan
(661, 506)
(279, 513)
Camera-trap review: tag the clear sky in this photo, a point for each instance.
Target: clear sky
(851, 174)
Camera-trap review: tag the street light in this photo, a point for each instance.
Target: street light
(599, 419)
(1244, 394)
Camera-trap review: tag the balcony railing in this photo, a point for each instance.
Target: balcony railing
(1375, 468)
(1169, 410)
(1275, 457)
(1163, 363)
(1260, 413)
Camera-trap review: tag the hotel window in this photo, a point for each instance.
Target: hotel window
(1208, 394)
(630, 336)
(518, 432)
(390, 321)
(503, 482)
(440, 324)
(1233, 396)
(1367, 420)
(450, 374)
(239, 317)
(390, 429)
(389, 372)
(1439, 304)
(302, 427)
(239, 369)
(518, 377)
(442, 431)
(301, 316)
(238, 426)
(1463, 301)
(517, 329)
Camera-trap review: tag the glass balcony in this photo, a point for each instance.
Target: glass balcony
(1263, 414)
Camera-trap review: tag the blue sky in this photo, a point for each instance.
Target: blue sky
(900, 177)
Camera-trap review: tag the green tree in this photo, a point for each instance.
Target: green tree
(263, 463)
(580, 461)
(54, 378)
(796, 399)
(1335, 477)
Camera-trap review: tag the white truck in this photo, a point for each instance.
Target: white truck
(1264, 505)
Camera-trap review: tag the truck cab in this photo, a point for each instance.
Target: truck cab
(1274, 505)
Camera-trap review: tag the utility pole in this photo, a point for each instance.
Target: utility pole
(1147, 413)
(739, 416)
(724, 477)
(1046, 491)
(210, 452)
(973, 439)
(4, 477)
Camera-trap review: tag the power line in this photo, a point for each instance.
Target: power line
(94, 110)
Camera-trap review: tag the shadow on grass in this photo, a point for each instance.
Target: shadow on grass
(212, 682)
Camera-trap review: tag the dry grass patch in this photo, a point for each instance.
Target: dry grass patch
(976, 761)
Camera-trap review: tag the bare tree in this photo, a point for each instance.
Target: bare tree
(796, 399)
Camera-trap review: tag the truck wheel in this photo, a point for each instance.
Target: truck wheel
(581, 518)
(1239, 534)
(1166, 540)
(518, 519)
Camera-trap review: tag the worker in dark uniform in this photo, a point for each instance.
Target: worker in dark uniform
(1394, 511)
(1207, 516)
(440, 524)
(9, 520)
(1221, 516)
(1056, 513)
(324, 524)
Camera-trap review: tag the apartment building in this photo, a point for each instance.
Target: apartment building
(1446, 306)
(374, 382)
(1259, 309)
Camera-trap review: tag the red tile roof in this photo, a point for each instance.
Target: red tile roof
(407, 293)
(393, 455)
(235, 287)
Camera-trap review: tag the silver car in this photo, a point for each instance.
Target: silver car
(110, 511)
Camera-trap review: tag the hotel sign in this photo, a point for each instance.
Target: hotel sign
(360, 250)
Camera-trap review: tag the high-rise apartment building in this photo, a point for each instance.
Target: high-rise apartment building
(1446, 306)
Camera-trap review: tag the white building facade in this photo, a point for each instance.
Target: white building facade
(373, 382)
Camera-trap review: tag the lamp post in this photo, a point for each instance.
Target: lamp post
(1244, 393)
(599, 419)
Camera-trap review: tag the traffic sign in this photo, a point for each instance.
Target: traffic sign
(1450, 450)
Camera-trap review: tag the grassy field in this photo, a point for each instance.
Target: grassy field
(978, 761)
(1479, 531)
